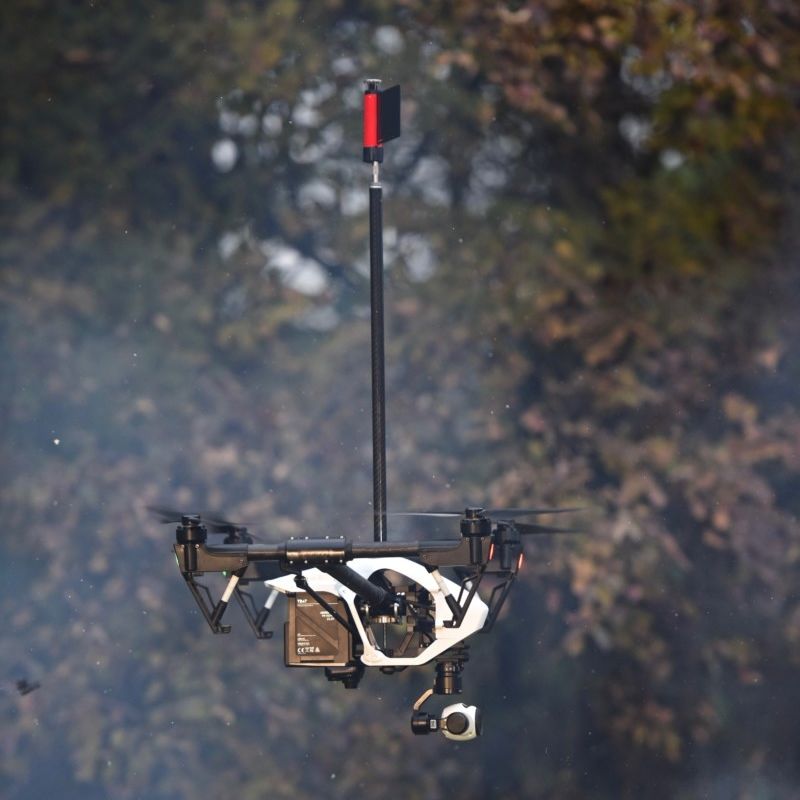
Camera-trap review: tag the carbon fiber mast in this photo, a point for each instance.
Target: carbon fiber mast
(381, 124)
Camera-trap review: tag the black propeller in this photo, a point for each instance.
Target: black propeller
(235, 532)
(488, 512)
(167, 515)
(502, 516)
(531, 528)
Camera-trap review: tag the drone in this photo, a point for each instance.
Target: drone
(353, 604)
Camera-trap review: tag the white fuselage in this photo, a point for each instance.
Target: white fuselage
(434, 583)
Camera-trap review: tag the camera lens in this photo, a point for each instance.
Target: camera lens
(457, 723)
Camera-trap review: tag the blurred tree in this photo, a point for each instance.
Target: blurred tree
(590, 217)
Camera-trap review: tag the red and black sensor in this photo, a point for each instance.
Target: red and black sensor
(381, 119)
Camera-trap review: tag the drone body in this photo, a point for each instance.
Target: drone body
(353, 605)
(417, 589)
(350, 604)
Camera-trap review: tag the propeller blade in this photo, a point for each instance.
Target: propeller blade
(447, 514)
(533, 529)
(167, 515)
(527, 512)
(218, 524)
(213, 522)
(489, 512)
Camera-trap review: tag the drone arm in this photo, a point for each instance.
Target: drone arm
(305, 553)
(442, 553)
(199, 558)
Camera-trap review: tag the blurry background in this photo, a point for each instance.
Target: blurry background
(591, 233)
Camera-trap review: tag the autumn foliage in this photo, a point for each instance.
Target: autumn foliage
(592, 228)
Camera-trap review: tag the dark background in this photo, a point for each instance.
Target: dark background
(592, 293)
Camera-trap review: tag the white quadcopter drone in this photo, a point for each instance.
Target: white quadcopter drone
(351, 604)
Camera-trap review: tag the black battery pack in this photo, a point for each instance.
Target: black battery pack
(312, 637)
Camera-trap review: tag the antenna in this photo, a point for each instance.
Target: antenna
(381, 124)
